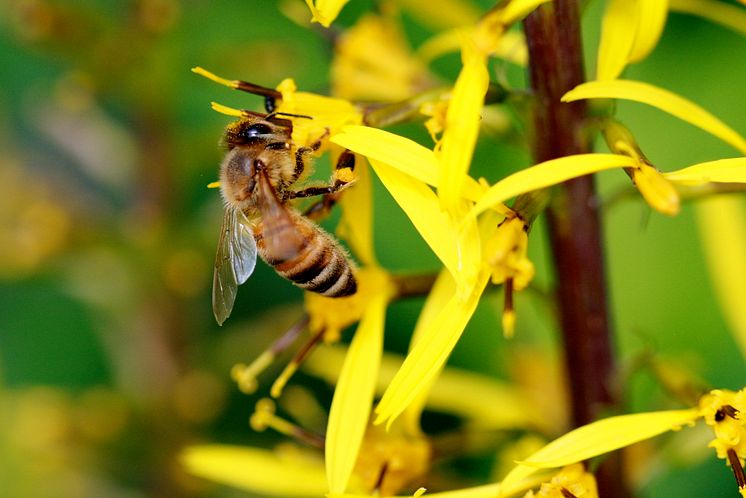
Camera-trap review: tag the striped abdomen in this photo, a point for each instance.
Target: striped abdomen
(307, 256)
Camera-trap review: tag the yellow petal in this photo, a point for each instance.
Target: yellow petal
(651, 21)
(618, 31)
(326, 113)
(270, 472)
(722, 227)
(663, 100)
(353, 397)
(718, 12)
(428, 356)
(400, 153)
(325, 11)
(598, 438)
(549, 173)
(462, 125)
(659, 193)
(443, 288)
(356, 223)
(720, 171)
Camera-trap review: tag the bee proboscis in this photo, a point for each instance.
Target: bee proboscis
(256, 176)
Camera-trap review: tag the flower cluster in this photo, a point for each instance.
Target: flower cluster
(478, 235)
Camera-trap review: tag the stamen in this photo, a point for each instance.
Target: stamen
(246, 375)
(213, 185)
(738, 472)
(217, 79)
(381, 477)
(508, 318)
(419, 492)
(566, 493)
(228, 111)
(292, 367)
(264, 417)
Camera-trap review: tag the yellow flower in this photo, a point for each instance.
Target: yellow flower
(391, 460)
(654, 187)
(328, 114)
(596, 439)
(325, 12)
(725, 412)
(373, 62)
(506, 253)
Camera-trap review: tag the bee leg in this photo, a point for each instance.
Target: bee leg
(302, 152)
(342, 178)
(321, 208)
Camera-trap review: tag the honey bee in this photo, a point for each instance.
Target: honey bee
(256, 179)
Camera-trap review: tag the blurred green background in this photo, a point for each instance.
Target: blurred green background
(110, 359)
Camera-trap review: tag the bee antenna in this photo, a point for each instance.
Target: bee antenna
(273, 114)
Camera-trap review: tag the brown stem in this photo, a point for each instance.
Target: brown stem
(556, 66)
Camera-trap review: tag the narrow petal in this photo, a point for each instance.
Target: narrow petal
(650, 24)
(618, 30)
(721, 171)
(662, 99)
(356, 224)
(353, 397)
(598, 438)
(428, 356)
(327, 114)
(270, 472)
(325, 11)
(462, 125)
(400, 153)
(722, 227)
(730, 16)
(657, 190)
(549, 173)
(443, 289)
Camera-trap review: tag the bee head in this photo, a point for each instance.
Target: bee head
(257, 128)
(238, 176)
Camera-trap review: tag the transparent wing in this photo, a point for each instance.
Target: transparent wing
(234, 263)
(243, 246)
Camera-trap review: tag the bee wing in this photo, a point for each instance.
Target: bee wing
(282, 239)
(234, 262)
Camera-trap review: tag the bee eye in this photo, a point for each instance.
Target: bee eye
(256, 130)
